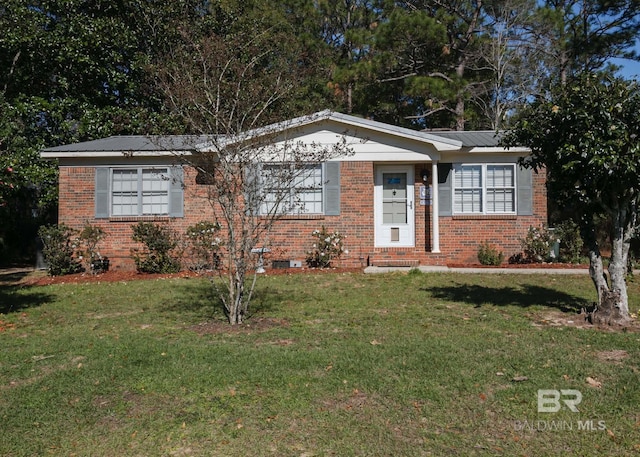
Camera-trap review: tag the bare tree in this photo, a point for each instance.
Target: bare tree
(229, 89)
(513, 58)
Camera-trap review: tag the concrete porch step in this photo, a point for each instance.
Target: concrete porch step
(395, 263)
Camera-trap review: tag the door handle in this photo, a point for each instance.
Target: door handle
(410, 204)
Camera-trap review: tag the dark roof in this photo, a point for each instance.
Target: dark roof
(134, 143)
(480, 138)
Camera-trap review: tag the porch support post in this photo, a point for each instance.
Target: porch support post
(435, 208)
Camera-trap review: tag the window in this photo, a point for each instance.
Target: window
(139, 191)
(484, 189)
(292, 189)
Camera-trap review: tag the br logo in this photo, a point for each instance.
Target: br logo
(551, 400)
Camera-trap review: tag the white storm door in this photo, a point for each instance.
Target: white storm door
(394, 206)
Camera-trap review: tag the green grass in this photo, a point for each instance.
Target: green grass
(356, 365)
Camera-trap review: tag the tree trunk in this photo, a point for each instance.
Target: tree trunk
(618, 265)
(612, 307)
(610, 310)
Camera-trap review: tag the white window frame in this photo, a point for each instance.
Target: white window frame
(299, 195)
(141, 194)
(484, 188)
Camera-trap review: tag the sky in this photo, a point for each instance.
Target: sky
(630, 70)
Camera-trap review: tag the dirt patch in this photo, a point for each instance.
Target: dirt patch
(560, 319)
(616, 356)
(253, 325)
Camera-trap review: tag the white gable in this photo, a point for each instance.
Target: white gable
(368, 140)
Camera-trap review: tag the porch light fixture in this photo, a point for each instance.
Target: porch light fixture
(424, 173)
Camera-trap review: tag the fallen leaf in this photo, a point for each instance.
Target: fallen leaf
(482, 396)
(520, 379)
(593, 382)
(375, 342)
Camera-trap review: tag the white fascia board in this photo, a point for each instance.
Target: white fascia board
(408, 156)
(493, 149)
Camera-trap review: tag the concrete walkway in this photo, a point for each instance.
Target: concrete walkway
(444, 269)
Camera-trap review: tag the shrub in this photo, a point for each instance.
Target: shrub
(488, 255)
(58, 249)
(326, 248)
(571, 244)
(89, 238)
(537, 245)
(157, 255)
(204, 245)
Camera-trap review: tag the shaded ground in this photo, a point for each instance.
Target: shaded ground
(563, 317)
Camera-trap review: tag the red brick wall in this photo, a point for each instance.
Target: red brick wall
(291, 237)
(460, 236)
(76, 208)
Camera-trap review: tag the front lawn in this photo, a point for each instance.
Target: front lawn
(328, 365)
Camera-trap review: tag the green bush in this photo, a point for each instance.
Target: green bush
(89, 238)
(326, 248)
(537, 245)
(59, 250)
(158, 255)
(204, 245)
(489, 255)
(571, 244)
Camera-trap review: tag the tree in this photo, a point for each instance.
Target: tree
(587, 136)
(347, 27)
(582, 35)
(513, 58)
(230, 86)
(72, 71)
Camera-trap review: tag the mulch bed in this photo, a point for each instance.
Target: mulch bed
(41, 279)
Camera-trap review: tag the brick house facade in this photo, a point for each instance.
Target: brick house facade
(387, 203)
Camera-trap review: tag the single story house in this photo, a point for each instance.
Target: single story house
(402, 198)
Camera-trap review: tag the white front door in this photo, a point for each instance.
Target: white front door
(394, 206)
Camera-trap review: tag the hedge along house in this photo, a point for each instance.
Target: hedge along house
(401, 198)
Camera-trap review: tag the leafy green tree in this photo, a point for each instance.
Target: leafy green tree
(73, 71)
(586, 135)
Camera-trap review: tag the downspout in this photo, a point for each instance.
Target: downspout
(435, 209)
